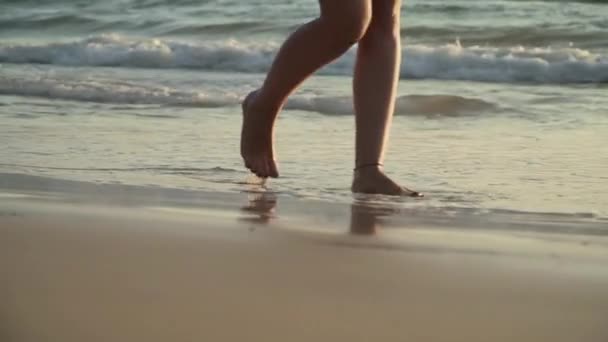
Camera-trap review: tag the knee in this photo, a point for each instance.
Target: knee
(350, 26)
(354, 27)
(383, 31)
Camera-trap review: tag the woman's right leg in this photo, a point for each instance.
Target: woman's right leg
(341, 24)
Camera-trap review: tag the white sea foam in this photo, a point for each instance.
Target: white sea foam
(448, 62)
(108, 91)
(121, 92)
(438, 104)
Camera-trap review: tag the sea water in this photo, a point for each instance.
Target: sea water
(502, 104)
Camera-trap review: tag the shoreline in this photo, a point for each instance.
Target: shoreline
(394, 211)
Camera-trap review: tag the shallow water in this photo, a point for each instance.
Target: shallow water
(510, 118)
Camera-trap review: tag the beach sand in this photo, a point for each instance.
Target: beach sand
(107, 269)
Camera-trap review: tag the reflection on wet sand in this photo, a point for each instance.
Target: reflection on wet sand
(262, 207)
(366, 217)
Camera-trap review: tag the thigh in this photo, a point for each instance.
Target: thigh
(346, 9)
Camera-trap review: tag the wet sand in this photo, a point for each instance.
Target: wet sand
(76, 270)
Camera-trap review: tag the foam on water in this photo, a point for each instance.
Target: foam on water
(121, 92)
(446, 62)
(109, 91)
(438, 104)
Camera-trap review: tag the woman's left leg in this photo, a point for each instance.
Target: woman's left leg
(374, 88)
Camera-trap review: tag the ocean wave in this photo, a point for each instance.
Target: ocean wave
(562, 34)
(446, 62)
(91, 23)
(238, 27)
(428, 105)
(451, 8)
(46, 21)
(595, 2)
(120, 92)
(110, 91)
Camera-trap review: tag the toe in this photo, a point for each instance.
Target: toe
(267, 169)
(272, 169)
(412, 193)
(261, 168)
(252, 166)
(247, 164)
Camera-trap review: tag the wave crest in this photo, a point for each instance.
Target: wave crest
(120, 92)
(428, 105)
(446, 62)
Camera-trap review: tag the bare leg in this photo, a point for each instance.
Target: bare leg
(341, 24)
(374, 87)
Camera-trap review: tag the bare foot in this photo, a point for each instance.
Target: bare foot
(257, 145)
(372, 180)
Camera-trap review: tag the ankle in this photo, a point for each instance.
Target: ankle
(367, 169)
